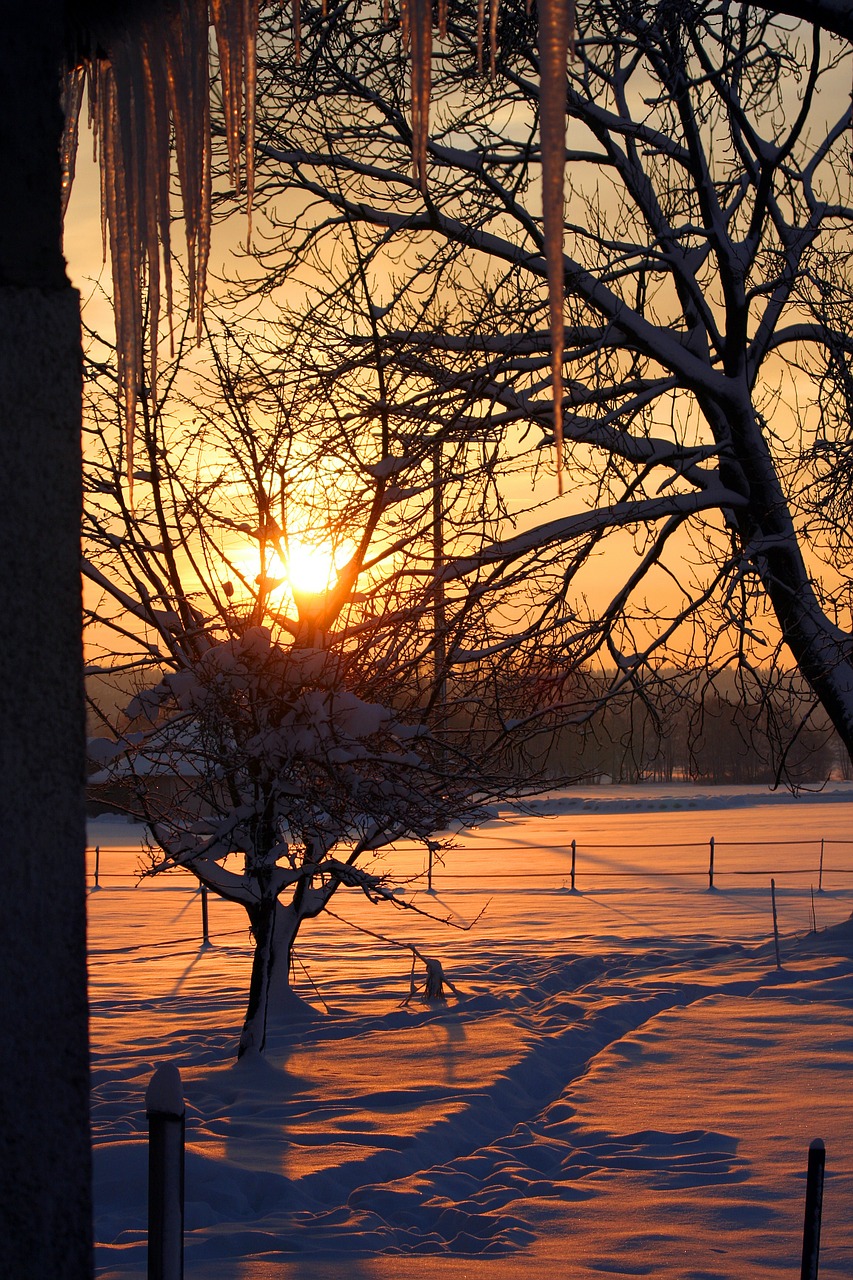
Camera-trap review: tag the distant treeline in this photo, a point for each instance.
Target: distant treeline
(680, 725)
(715, 733)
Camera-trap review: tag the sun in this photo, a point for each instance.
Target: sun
(309, 569)
(300, 567)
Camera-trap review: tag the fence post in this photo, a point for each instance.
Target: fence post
(814, 1207)
(429, 866)
(820, 869)
(205, 931)
(775, 922)
(97, 866)
(711, 866)
(164, 1108)
(574, 857)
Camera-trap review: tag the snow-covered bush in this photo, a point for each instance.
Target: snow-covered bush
(280, 779)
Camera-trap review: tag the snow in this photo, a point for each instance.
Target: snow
(164, 1093)
(626, 1084)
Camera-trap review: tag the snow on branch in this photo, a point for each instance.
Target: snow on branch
(567, 528)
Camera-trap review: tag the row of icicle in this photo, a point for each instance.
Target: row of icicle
(154, 79)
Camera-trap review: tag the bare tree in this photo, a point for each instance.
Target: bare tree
(707, 230)
(283, 733)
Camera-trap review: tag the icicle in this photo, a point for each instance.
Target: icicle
(93, 117)
(72, 100)
(186, 61)
(556, 25)
(420, 27)
(236, 25)
(124, 248)
(157, 173)
(386, 13)
(297, 27)
(230, 69)
(96, 95)
(481, 28)
(493, 36)
(141, 84)
(442, 19)
(250, 80)
(149, 138)
(406, 23)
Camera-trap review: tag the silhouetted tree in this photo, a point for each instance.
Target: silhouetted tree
(696, 276)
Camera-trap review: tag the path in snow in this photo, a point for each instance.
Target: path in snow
(627, 1087)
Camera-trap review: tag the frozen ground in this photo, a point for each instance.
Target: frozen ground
(626, 1086)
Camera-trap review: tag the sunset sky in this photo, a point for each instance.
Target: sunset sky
(83, 251)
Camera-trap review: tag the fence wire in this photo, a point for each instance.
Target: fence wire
(559, 877)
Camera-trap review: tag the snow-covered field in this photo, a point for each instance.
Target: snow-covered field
(625, 1086)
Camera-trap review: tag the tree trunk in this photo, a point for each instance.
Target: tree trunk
(45, 1209)
(271, 996)
(822, 652)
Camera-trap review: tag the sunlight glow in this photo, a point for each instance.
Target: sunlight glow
(303, 568)
(309, 569)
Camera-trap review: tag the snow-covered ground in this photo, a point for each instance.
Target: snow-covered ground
(627, 1085)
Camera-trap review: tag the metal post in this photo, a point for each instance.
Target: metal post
(711, 866)
(429, 868)
(775, 923)
(205, 931)
(814, 1207)
(97, 866)
(439, 614)
(164, 1108)
(439, 628)
(574, 856)
(820, 870)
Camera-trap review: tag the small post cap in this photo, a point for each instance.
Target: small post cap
(165, 1095)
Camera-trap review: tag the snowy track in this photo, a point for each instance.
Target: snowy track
(628, 1086)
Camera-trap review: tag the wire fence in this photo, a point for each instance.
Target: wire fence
(710, 864)
(576, 870)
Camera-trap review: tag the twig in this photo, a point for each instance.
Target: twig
(295, 959)
(453, 924)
